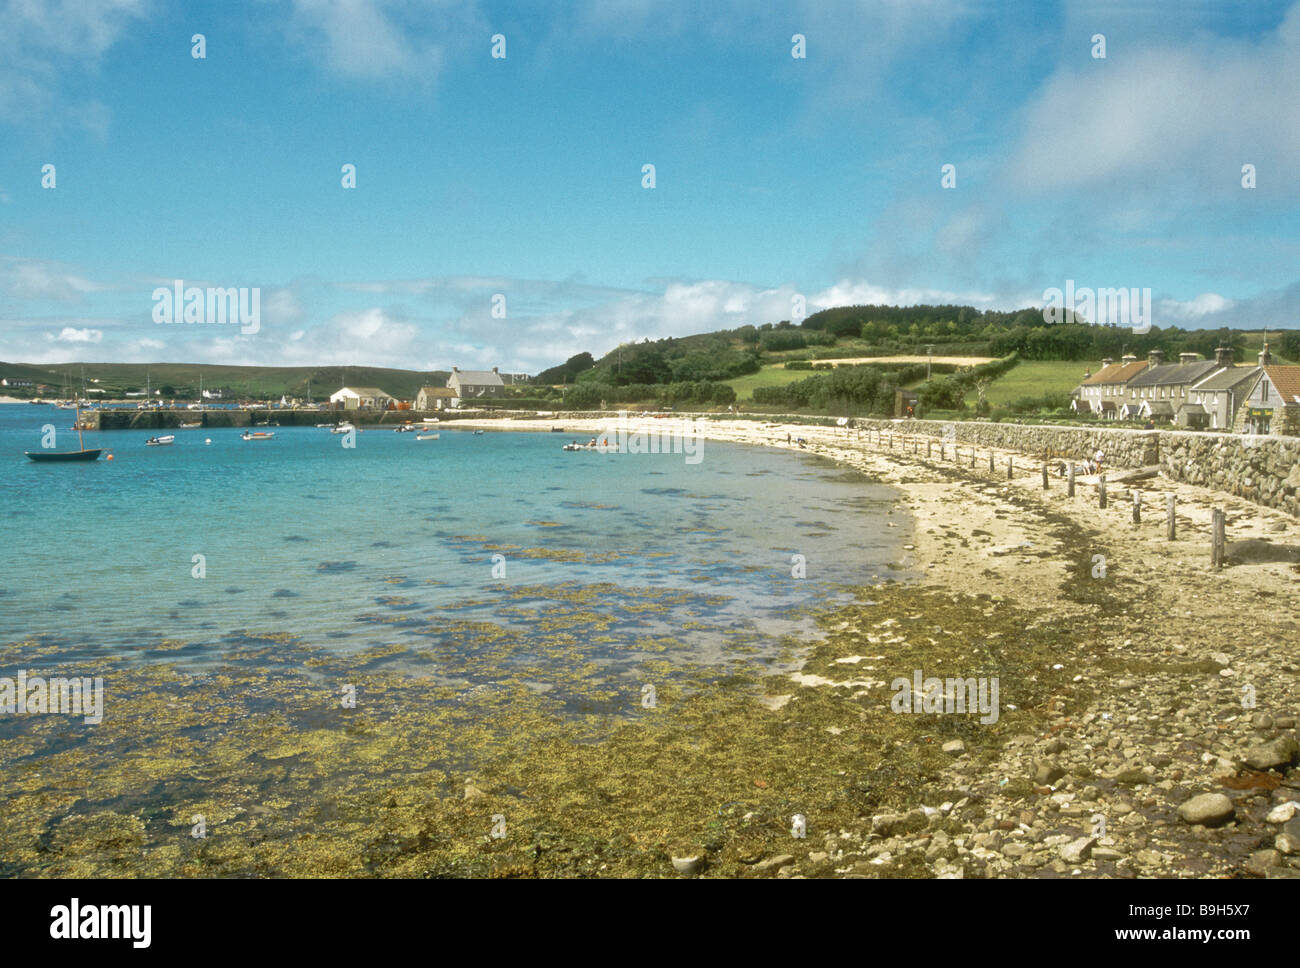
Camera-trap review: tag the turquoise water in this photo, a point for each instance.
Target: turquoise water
(392, 543)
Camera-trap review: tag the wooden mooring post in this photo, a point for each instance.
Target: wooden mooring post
(1171, 528)
(1044, 475)
(990, 462)
(1217, 522)
(1137, 507)
(1101, 492)
(928, 444)
(1010, 460)
(1069, 480)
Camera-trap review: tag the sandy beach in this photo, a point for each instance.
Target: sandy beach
(1160, 734)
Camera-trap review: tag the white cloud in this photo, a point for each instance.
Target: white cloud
(1151, 116)
(850, 293)
(70, 334)
(377, 39)
(1207, 303)
(43, 44)
(38, 279)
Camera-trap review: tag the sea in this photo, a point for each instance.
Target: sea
(215, 541)
(293, 644)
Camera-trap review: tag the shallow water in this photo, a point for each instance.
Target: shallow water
(415, 545)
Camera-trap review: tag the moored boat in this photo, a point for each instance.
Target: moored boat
(161, 441)
(256, 435)
(60, 457)
(67, 455)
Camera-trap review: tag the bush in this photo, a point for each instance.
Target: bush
(585, 396)
(1048, 401)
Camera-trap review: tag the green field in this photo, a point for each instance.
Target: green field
(772, 375)
(1033, 378)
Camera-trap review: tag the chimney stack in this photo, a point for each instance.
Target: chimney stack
(1265, 357)
(1185, 358)
(1156, 358)
(1128, 358)
(494, 369)
(1223, 356)
(1106, 361)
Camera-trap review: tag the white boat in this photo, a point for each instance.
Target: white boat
(161, 441)
(256, 435)
(426, 436)
(343, 428)
(191, 426)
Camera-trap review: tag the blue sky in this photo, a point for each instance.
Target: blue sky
(775, 176)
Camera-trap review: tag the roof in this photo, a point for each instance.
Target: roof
(1229, 378)
(1191, 408)
(437, 392)
(1115, 373)
(477, 378)
(364, 391)
(1108, 405)
(1175, 373)
(1161, 408)
(1286, 380)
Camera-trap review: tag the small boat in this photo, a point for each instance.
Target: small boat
(160, 441)
(67, 455)
(53, 457)
(191, 426)
(426, 436)
(557, 430)
(256, 435)
(343, 428)
(478, 433)
(325, 425)
(405, 428)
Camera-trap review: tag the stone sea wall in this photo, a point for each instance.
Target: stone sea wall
(1263, 469)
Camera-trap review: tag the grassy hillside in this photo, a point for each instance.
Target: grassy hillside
(1033, 378)
(773, 375)
(254, 382)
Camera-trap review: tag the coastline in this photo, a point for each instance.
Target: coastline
(1120, 700)
(1156, 661)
